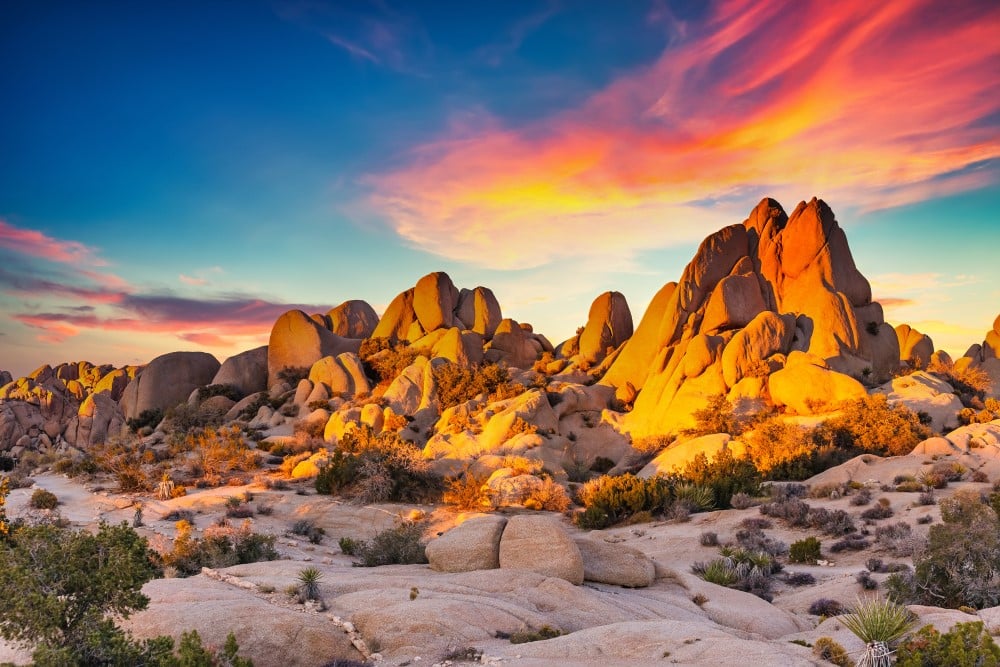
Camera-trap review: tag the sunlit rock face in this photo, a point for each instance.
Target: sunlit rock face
(167, 381)
(985, 356)
(753, 294)
(297, 342)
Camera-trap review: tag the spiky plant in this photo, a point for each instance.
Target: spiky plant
(699, 496)
(309, 579)
(878, 623)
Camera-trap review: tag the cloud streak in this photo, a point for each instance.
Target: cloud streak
(872, 106)
(37, 244)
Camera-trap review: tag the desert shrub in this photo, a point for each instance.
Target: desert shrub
(742, 569)
(308, 529)
(831, 522)
(708, 539)
(804, 551)
(348, 546)
(853, 542)
(870, 424)
(964, 645)
(43, 500)
(826, 648)
(610, 500)
(897, 539)
(458, 383)
(123, 459)
(148, 418)
(865, 580)
(961, 562)
(970, 382)
(218, 453)
(741, 501)
(4, 522)
(378, 468)
(220, 546)
(754, 539)
(756, 523)
(541, 634)
(826, 607)
(191, 652)
(401, 545)
(799, 579)
(718, 417)
(926, 498)
(185, 418)
(877, 512)
(467, 492)
(781, 450)
(309, 579)
(383, 362)
(780, 492)
(792, 511)
(650, 446)
(549, 496)
(725, 475)
(862, 497)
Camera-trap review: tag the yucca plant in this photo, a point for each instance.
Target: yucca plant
(309, 579)
(878, 623)
(700, 497)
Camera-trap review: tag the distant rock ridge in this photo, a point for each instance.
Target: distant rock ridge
(754, 294)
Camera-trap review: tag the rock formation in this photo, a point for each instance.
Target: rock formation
(915, 348)
(167, 381)
(753, 294)
(609, 325)
(246, 372)
(297, 342)
(353, 319)
(985, 356)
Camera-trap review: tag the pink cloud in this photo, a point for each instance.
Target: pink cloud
(870, 105)
(207, 339)
(190, 280)
(37, 244)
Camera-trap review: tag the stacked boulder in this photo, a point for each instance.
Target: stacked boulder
(985, 356)
(771, 309)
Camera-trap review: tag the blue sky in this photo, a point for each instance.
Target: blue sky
(175, 175)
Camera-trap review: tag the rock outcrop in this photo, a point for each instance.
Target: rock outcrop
(353, 319)
(297, 342)
(471, 545)
(609, 324)
(753, 294)
(985, 356)
(167, 381)
(915, 348)
(246, 372)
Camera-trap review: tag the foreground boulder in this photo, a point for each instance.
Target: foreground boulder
(615, 564)
(167, 381)
(471, 545)
(540, 544)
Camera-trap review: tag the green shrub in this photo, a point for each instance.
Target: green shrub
(147, 418)
(804, 551)
(725, 475)
(718, 417)
(401, 545)
(965, 645)
(212, 390)
(961, 562)
(379, 468)
(307, 528)
(541, 634)
(348, 546)
(191, 653)
(458, 383)
(62, 589)
(610, 500)
(220, 546)
(43, 500)
(309, 579)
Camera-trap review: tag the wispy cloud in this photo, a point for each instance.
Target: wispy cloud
(191, 280)
(353, 49)
(38, 244)
(495, 54)
(869, 106)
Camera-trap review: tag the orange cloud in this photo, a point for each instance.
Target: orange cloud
(871, 105)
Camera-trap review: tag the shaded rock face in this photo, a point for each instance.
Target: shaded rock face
(246, 371)
(167, 381)
(5, 378)
(753, 294)
(297, 342)
(353, 319)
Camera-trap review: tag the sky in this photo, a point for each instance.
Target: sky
(175, 175)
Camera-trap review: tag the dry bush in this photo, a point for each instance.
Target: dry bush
(521, 427)
(774, 443)
(971, 382)
(549, 496)
(870, 424)
(219, 453)
(467, 492)
(457, 383)
(651, 445)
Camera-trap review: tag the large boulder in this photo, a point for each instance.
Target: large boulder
(246, 372)
(514, 345)
(434, 301)
(923, 392)
(479, 311)
(472, 545)
(99, 416)
(167, 381)
(540, 544)
(115, 381)
(615, 564)
(353, 319)
(609, 324)
(399, 321)
(297, 342)
(341, 375)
